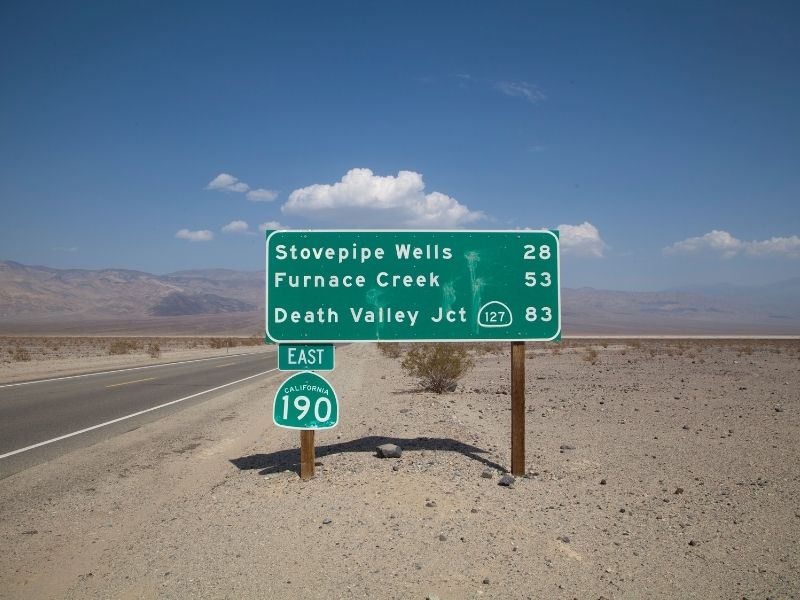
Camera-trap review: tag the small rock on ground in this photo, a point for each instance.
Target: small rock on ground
(506, 480)
(389, 451)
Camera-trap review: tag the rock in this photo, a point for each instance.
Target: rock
(686, 427)
(389, 451)
(564, 538)
(486, 581)
(679, 490)
(693, 543)
(778, 409)
(602, 482)
(395, 467)
(431, 597)
(567, 447)
(488, 473)
(475, 510)
(442, 537)
(430, 504)
(327, 521)
(506, 480)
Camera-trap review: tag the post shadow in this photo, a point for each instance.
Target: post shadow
(282, 460)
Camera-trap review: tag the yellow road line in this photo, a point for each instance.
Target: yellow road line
(127, 382)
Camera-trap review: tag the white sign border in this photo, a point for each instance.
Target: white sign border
(409, 340)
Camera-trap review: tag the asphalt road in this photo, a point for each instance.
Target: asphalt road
(43, 419)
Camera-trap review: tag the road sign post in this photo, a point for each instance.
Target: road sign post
(306, 401)
(328, 286)
(518, 408)
(307, 457)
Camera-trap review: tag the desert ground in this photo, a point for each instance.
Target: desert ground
(26, 358)
(655, 469)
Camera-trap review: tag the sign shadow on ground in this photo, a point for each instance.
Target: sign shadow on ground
(283, 460)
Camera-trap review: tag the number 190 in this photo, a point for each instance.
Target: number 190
(302, 404)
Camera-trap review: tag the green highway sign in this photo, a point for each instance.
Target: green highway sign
(306, 357)
(326, 286)
(305, 401)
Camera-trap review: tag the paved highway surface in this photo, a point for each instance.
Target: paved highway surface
(43, 419)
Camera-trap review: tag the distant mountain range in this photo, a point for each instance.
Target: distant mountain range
(41, 300)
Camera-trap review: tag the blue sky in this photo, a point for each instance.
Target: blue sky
(664, 135)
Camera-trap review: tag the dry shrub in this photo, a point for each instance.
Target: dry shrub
(591, 356)
(218, 343)
(21, 354)
(390, 350)
(122, 347)
(437, 366)
(154, 350)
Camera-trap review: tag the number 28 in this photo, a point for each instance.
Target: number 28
(530, 252)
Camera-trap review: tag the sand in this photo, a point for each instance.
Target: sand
(678, 478)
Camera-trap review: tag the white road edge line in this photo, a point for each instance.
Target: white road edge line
(180, 362)
(136, 414)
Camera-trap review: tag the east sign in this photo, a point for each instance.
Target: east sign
(327, 286)
(306, 357)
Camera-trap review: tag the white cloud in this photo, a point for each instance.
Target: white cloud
(581, 240)
(262, 195)
(227, 183)
(521, 89)
(271, 226)
(716, 241)
(782, 246)
(362, 199)
(236, 227)
(723, 243)
(203, 235)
